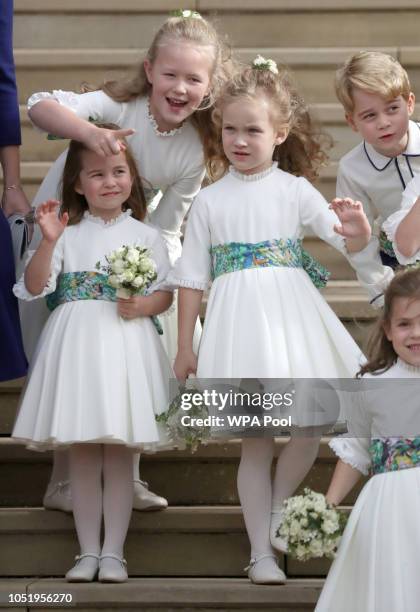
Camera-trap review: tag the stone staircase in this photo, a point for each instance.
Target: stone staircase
(191, 556)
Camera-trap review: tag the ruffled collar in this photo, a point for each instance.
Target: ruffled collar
(252, 177)
(380, 162)
(155, 126)
(408, 367)
(99, 221)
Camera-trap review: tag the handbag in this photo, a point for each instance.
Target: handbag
(20, 230)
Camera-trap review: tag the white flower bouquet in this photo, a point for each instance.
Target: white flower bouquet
(130, 269)
(190, 433)
(311, 526)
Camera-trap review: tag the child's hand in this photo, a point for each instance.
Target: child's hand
(354, 223)
(185, 364)
(106, 142)
(133, 307)
(50, 224)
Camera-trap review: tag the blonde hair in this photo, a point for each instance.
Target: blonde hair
(195, 31)
(372, 72)
(304, 150)
(379, 350)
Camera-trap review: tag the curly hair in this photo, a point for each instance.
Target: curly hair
(305, 149)
(379, 350)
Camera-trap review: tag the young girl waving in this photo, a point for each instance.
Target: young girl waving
(376, 567)
(265, 319)
(166, 105)
(100, 373)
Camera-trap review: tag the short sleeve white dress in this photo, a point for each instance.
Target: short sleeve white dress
(171, 165)
(266, 322)
(376, 567)
(95, 377)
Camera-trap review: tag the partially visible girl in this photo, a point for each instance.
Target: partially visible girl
(99, 372)
(403, 226)
(265, 319)
(376, 565)
(165, 112)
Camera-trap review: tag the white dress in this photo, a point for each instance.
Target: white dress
(409, 198)
(268, 322)
(171, 165)
(376, 567)
(96, 377)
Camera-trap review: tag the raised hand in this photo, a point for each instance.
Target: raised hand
(50, 224)
(353, 221)
(106, 142)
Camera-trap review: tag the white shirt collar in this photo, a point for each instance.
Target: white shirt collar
(380, 162)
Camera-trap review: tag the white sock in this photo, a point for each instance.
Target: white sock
(86, 490)
(293, 464)
(60, 469)
(118, 497)
(136, 466)
(254, 488)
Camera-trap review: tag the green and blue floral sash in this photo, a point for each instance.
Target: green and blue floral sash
(74, 286)
(385, 244)
(390, 454)
(234, 256)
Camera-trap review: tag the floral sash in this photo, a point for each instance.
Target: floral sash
(234, 256)
(74, 286)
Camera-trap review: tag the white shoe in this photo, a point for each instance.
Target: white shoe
(264, 570)
(58, 496)
(277, 542)
(112, 568)
(146, 500)
(85, 570)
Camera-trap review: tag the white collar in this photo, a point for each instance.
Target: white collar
(380, 162)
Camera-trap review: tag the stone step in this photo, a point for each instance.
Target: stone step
(167, 543)
(206, 477)
(169, 594)
(90, 26)
(42, 70)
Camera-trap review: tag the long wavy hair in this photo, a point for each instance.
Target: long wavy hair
(176, 30)
(305, 149)
(379, 350)
(75, 204)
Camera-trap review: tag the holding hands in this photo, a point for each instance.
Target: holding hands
(51, 224)
(354, 225)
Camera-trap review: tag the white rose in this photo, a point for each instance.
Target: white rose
(128, 276)
(117, 266)
(133, 255)
(138, 282)
(146, 265)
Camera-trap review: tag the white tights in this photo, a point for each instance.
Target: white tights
(90, 465)
(260, 496)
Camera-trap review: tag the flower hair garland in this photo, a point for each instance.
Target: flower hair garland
(187, 14)
(260, 63)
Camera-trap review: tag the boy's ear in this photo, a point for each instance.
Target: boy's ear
(148, 70)
(410, 103)
(350, 122)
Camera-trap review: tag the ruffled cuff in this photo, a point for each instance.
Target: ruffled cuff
(188, 283)
(67, 98)
(21, 292)
(372, 274)
(351, 452)
(390, 227)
